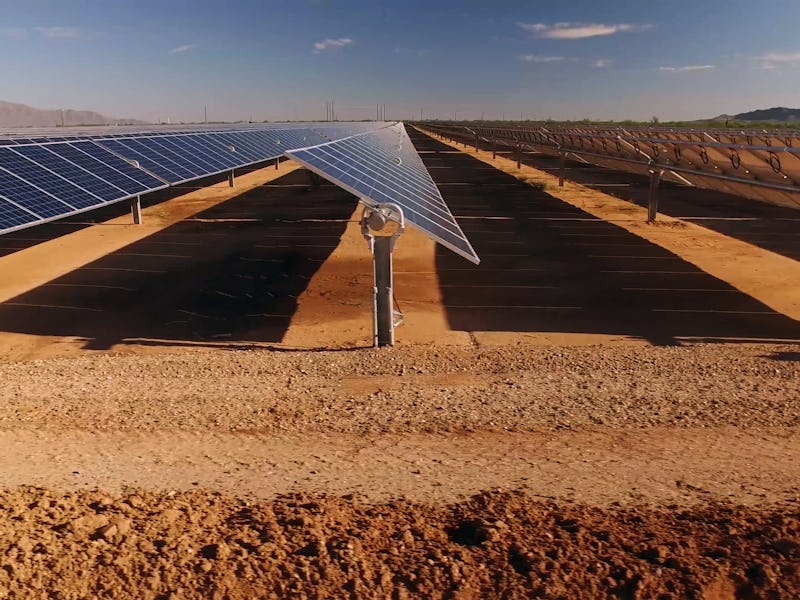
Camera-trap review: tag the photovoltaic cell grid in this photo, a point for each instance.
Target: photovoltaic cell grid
(382, 166)
(759, 164)
(52, 175)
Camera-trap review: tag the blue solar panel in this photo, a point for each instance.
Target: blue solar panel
(153, 152)
(383, 167)
(13, 217)
(46, 180)
(242, 146)
(32, 198)
(108, 166)
(76, 175)
(212, 144)
(157, 167)
(210, 158)
(51, 174)
(181, 154)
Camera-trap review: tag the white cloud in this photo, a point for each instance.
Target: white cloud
(533, 58)
(59, 33)
(780, 57)
(577, 31)
(15, 33)
(182, 49)
(775, 60)
(331, 43)
(601, 63)
(688, 68)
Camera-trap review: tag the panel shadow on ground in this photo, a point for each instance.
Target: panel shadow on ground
(547, 266)
(229, 274)
(774, 228)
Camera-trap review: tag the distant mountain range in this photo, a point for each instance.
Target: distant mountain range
(779, 113)
(21, 115)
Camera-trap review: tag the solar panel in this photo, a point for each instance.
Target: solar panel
(383, 167)
(49, 174)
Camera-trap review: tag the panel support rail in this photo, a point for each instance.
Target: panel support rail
(385, 317)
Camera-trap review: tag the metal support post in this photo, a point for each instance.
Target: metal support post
(136, 210)
(384, 315)
(277, 162)
(519, 155)
(477, 143)
(562, 168)
(494, 148)
(384, 302)
(652, 200)
(231, 178)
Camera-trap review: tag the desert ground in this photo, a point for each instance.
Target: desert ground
(191, 408)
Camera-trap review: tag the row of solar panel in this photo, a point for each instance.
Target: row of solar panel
(45, 136)
(767, 172)
(41, 182)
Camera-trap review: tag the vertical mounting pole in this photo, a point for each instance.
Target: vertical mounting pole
(384, 303)
(562, 168)
(519, 155)
(494, 148)
(231, 178)
(277, 162)
(477, 143)
(136, 210)
(652, 200)
(384, 316)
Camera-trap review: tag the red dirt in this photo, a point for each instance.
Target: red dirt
(497, 544)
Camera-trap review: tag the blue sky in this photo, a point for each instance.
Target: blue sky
(282, 59)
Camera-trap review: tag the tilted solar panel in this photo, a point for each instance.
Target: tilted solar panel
(381, 167)
(49, 174)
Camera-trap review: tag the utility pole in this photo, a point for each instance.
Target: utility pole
(205, 115)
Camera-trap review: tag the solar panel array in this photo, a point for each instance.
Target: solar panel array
(759, 164)
(52, 175)
(383, 167)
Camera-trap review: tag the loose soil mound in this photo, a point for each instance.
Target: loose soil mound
(498, 544)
